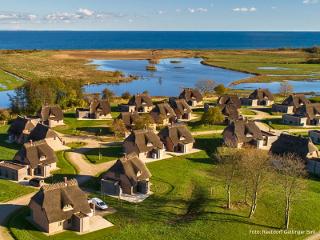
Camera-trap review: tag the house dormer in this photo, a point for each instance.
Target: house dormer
(67, 207)
(42, 158)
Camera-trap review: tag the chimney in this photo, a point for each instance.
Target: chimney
(65, 179)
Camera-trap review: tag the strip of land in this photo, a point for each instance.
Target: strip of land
(265, 65)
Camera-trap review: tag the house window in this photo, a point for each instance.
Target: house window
(69, 221)
(60, 224)
(42, 158)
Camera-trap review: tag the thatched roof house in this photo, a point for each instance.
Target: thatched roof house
(138, 103)
(145, 143)
(61, 206)
(192, 96)
(98, 109)
(181, 108)
(162, 113)
(128, 175)
(311, 112)
(260, 96)
(51, 115)
(41, 132)
(296, 100)
(301, 146)
(231, 112)
(20, 128)
(241, 132)
(39, 157)
(177, 138)
(233, 100)
(129, 118)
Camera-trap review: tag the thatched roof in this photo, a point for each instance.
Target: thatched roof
(229, 100)
(21, 124)
(101, 106)
(230, 111)
(41, 132)
(128, 170)
(142, 141)
(311, 111)
(50, 112)
(298, 145)
(180, 106)
(53, 198)
(162, 110)
(177, 133)
(140, 100)
(296, 100)
(191, 94)
(261, 94)
(129, 118)
(36, 153)
(241, 131)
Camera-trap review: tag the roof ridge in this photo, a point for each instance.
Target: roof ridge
(60, 185)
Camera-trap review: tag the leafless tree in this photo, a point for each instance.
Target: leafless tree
(206, 86)
(255, 165)
(285, 89)
(291, 169)
(228, 165)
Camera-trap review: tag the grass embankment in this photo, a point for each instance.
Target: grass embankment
(247, 111)
(278, 125)
(188, 203)
(8, 82)
(281, 64)
(107, 154)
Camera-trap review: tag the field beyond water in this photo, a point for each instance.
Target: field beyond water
(266, 65)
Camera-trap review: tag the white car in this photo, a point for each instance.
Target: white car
(99, 203)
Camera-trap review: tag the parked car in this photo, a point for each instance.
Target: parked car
(36, 182)
(99, 203)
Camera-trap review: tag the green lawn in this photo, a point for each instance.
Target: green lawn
(106, 154)
(84, 127)
(66, 169)
(182, 207)
(247, 111)
(75, 145)
(8, 82)
(7, 150)
(197, 126)
(10, 190)
(278, 125)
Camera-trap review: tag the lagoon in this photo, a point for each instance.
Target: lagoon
(171, 76)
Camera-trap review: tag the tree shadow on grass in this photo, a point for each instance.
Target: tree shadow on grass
(208, 144)
(4, 143)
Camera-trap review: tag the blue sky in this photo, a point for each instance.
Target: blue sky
(291, 15)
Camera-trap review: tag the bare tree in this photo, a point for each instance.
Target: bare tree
(254, 166)
(291, 169)
(206, 86)
(285, 89)
(229, 161)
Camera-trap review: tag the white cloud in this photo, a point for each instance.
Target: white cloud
(244, 9)
(310, 1)
(16, 17)
(194, 10)
(85, 12)
(160, 12)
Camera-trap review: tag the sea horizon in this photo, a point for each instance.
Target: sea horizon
(138, 39)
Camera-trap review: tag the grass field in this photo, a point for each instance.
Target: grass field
(247, 111)
(66, 169)
(84, 127)
(109, 153)
(182, 207)
(7, 150)
(8, 82)
(278, 125)
(286, 64)
(10, 190)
